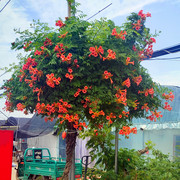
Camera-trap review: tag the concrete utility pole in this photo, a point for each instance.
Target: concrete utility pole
(72, 171)
(116, 150)
(69, 8)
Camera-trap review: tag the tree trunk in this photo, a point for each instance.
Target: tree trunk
(70, 147)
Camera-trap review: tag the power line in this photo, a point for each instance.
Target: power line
(3, 114)
(5, 6)
(99, 11)
(3, 73)
(164, 59)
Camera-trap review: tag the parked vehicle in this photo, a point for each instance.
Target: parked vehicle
(39, 165)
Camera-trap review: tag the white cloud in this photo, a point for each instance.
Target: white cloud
(11, 17)
(171, 78)
(127, 6)
(50, 10)
(118, 7)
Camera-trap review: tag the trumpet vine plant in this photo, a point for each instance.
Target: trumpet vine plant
(86, 76)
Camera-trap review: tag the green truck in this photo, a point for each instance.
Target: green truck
(39, 165)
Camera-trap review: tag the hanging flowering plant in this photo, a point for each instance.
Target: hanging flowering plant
(85, 75)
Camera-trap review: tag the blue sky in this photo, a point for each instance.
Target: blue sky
(165, 18)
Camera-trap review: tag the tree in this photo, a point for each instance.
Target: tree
(85, 76)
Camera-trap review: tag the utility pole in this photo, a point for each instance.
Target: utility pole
(69, 8)
(116, 150)
(72, 170)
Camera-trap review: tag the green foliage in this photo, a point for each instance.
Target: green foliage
(100, 144)
(132, 166)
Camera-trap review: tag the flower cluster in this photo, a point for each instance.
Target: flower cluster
(51, 80)
(121, 35)
(64, 135)
(60, 50)
(169, 96)
(142, 15)
(72, 119)
(86, 102)
(124, 113)
(48, 42)
(95, 51)
(75, 63)
(69, 75)
(66, 58)
(167, 106)
(134, 48)
(29, 62)
(20, 107)
(135, 104)
(121, 96)
(26, 45)
(111, 55)
(110, 117)
(39, 92)
(137, 79)
(145, 106)
(148, 51)
(38, 53)
(155, 115)
(147, 92)
(128, 61)
(127, 83)
(137, 25)
(60, 107)
(126, 130)
(63, 35)
(59, 23)
(96, 114)
(81, 90)
(107, 75)
(8, 105)
(141, 55)
(36, 75)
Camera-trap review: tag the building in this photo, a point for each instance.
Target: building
(165, 133)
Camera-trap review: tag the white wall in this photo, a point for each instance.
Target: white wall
(135, 141)
(48, 141)
(164, 139)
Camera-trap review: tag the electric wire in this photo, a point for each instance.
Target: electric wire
(99, 11)
(4, 6)
(163, 59)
